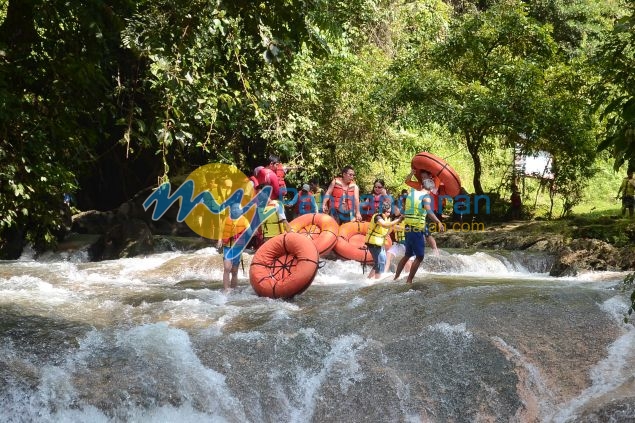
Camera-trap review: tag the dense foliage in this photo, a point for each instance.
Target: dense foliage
(102, 98)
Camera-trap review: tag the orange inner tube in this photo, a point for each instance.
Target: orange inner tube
(284, 266)
(351, 242)
(320, 228)
(440, 168)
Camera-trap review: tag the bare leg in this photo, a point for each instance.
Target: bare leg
(408, 265)
(227, 270)
(389, 257)
(433, 244)
(413, 269)
(400, 266)
(234, 282)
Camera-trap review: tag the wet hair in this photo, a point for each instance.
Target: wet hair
(274, 159)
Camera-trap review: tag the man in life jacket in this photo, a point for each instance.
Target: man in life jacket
(417, 207)
(231, 237)
(438, 189)
(342, 197)
(274, 224)
(306, 202)
(378, 230)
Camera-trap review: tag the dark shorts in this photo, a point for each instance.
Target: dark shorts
(415, 242)
(628, 201)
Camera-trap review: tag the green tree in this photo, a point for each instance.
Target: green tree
(616, 90)
(497, 75)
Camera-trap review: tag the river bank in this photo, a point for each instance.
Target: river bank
(578, 244)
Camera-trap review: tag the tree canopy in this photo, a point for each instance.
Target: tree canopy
(102, 98)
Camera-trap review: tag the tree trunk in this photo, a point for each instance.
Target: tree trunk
(473, 143)
(17, 31)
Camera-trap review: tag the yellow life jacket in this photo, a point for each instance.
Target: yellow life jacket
(399, 233)
(376, 234)
(232, 229)
(272, 226)
(414, 212)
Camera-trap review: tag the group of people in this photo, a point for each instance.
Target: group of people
(405, 218)
(627, 192)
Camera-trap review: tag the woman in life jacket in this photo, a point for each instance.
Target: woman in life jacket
(371, 202)
(380, 226)
(342, 197)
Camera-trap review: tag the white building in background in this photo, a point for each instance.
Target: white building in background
(538, 165)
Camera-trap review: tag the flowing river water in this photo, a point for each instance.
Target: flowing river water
(479, 337)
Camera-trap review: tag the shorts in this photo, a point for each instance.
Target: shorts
(235, 260)
(415, 243)
(628, 201)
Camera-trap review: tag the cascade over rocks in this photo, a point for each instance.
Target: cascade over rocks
(129, 230)
(571, 255)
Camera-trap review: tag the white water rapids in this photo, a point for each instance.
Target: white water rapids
(479, 336)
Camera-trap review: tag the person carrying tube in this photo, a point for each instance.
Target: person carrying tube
(417, 207)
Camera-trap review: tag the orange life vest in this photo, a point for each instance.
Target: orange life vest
(233, 229)
(280, 173)
(339, 193)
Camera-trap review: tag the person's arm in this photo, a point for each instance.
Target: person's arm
(356, 205)
(433, 217)
(387, 223)
(282, 217)
(622, 188)
(416, 184)
(326, 198)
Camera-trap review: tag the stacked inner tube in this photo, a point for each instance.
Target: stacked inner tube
(284, 266)
(322, 229)
(351, 242)
(440, 168)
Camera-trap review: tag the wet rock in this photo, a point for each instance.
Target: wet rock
(92, 222)
(585, 254)
(127, 239)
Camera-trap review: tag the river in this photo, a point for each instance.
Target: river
(479, 337)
